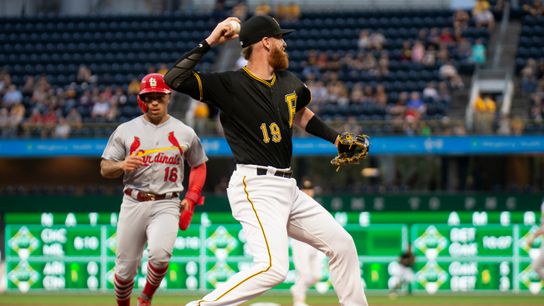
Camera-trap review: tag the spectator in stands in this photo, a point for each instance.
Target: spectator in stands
(12, 96)
(504, 125)
(461, 21)
(517, 125)
(74, 119)
(433, 39)
(119, 97)
(429, 59)
(377, 40)
(5, 81)
(293, 11)
(484, 114)
(381, 96)
(4, 122)
(62, 129)
(85, 76)
(446, 37)
(357, 95)
(34, 122)
(370, 64)
(263, 9)
(368, 94)
(443, 93)
(396, 112)
(218, 11)
(342, 94)
(410, 125)
(364, 40)
(101, 108)
(334, 62)
(70, 98)
(528, 77)
(322, 60)
(415, 106)
(383, 64)
(319, 91)
(478, 52)
(464, 49)
(240, 10)
(534, 9)
(201, 114)
(28, 87)
(49, 122)
(430, 92)
(163, 68)
(483, 17)
(16, 117)
(406, 51)
(443, 54)
(134, 87)
(536, 112)
(418, 52)
(281, 11)
(456, 82)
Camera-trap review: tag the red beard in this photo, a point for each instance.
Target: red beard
(278, 59)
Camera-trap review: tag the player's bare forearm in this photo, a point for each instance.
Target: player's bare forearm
(302, 117)
(114, 169)
(223, 32)
(111, 169)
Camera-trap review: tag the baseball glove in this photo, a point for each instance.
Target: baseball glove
(351, 149)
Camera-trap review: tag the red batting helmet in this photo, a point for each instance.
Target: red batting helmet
(153, 82)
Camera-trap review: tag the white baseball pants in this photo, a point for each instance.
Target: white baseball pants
(271, 209)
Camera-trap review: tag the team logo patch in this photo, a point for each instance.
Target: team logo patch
(153, 82)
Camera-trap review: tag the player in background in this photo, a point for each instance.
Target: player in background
(307, 259)
(404, 274)
(259, 106)
(149, 152)
(538, 261)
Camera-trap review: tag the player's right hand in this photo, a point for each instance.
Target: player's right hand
(132, 163)
(223, 32)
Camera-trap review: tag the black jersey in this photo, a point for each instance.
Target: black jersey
(257, 115)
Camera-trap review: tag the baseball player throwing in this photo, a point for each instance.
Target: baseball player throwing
(149, 152)
(538, 261)
(259, 105)
(307, 260)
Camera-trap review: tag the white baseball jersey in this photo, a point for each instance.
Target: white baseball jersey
(163, 148)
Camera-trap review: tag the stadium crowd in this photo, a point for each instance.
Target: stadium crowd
(90, 107)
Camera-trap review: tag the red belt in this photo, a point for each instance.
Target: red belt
(148, 196)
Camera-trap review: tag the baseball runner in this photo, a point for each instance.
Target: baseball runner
(149, 152)
(259, 105)
(402, 272)
(538, 261)
(307, 260)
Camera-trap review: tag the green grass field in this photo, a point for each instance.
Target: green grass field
(284, 300)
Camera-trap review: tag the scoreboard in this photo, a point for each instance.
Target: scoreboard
(455, 251)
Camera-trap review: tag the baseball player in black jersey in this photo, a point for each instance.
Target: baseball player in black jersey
(259, 105)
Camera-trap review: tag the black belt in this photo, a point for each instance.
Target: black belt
(285, 174)
(148, 196)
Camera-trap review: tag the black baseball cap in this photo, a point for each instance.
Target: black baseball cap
(257, 27)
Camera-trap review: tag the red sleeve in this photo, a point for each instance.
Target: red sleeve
(197, 178)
